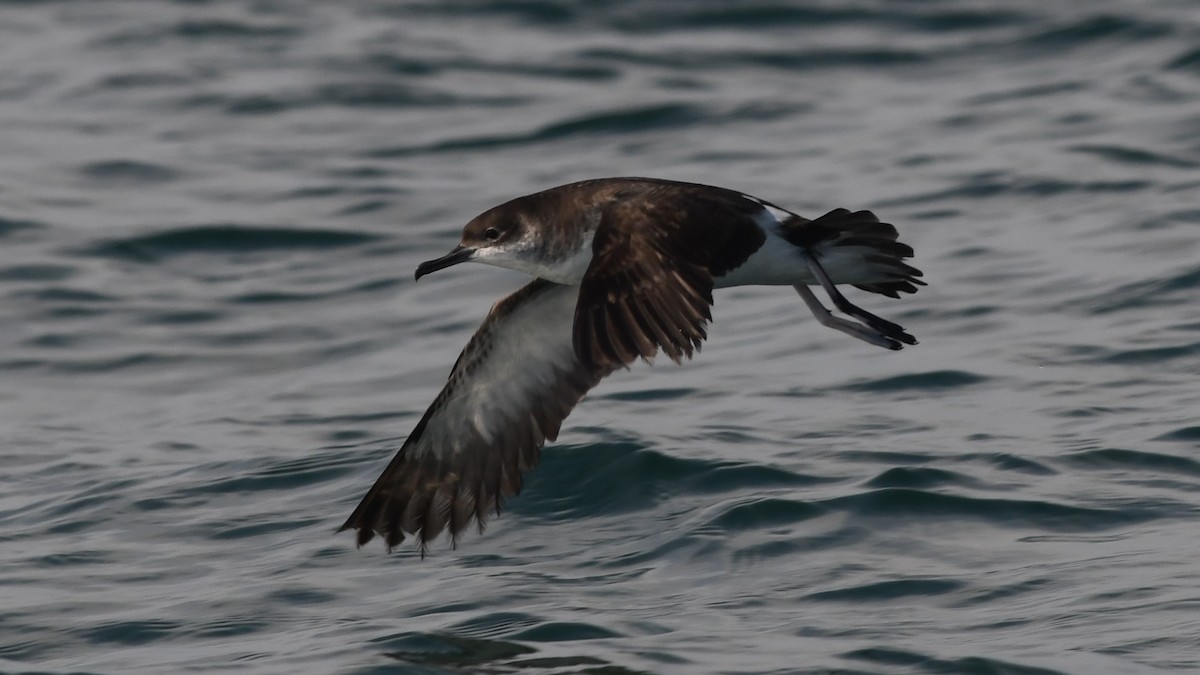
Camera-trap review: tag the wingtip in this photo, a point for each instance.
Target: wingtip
(358, 540)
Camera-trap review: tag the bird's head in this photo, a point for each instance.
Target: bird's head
(497, 237)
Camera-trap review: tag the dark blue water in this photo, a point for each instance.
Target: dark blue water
(211, 343)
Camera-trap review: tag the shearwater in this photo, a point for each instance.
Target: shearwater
(623, 267)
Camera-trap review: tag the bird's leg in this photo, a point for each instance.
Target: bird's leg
(891, 330)
(826, 318)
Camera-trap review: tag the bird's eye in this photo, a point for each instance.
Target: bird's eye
(491, 234)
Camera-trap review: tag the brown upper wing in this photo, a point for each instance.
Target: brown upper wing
(654, 256)
(513, 385)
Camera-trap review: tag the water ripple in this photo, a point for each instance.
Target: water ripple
(1042, 515)
(133, 632)
(224, 238)
(921, 478)
(1134, 156)
(1099, 28)
(1163, 289)
(930, 381)
(760, 15)
(591, 481)
(9, 226)
(128, 172)
(452, 650)
(971, 665)
(1125, 460)
(623, 121)
(888, 590)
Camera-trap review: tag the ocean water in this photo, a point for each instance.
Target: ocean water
(211, 341)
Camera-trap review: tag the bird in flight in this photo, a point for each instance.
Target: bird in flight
(622, 267)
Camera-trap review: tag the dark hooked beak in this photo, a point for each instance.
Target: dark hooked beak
(459, 254)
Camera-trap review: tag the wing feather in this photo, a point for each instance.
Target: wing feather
(509, 391)
(654, 257)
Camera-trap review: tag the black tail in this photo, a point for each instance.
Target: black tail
(843, 228)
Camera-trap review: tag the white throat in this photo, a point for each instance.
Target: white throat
(567, 269)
